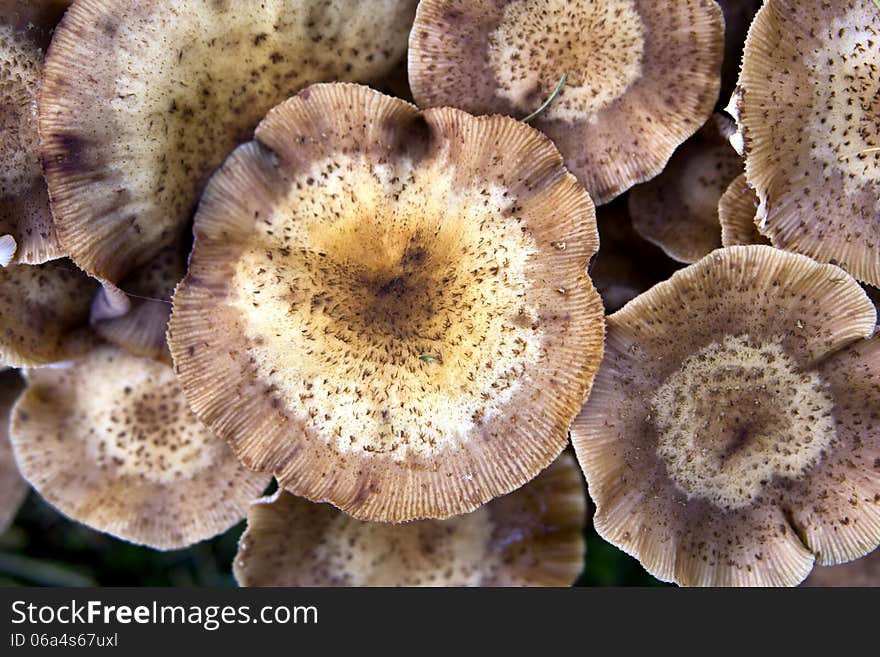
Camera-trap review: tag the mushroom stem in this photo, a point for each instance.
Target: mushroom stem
(549, 100)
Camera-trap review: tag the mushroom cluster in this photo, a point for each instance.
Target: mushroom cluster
(334, 268)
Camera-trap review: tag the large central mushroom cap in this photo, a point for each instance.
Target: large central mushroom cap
(143, 99)
(731, 437)
(390, 310)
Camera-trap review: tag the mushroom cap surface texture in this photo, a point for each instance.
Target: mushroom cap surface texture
(807, 107)
(13, 488)
(737, 209)
(642, 76)
(531, 537)
(109, 441)
(390, 309)
(143, 99)
(732, 435)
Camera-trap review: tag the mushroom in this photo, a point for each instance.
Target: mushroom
(531, 537)
(44, 313)
(390, 309)
(13, 489)
(678, 210)
(641, 76)
(738, 15)
(736, 212)
(861, 572)
(806, 107)
(110, 442)
(27, 232)
(731, 436)
(129, 140)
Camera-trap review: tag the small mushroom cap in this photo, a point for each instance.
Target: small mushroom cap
(642, 76)
(531, 537)
(44, 313)
(25, 216)
(807, 106)
(861, 572)
(678, 210)
(737, 209)
(390, 309)
(13, 489)
(731, 435)
(128, 141)
(141, 331)
(110, 441)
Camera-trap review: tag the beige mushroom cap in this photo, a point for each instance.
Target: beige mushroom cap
(678, 210)
(25, 218)
(531, 537)
(13, 489)
(390, 309)
(807, 107)
(861, 572)
(129, 140)
(643, 76)
(737, 210)
(731, 436)
(44, 313)
(110, 441)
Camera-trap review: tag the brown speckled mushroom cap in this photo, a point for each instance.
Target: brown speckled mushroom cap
(736, 212)
(678, 210)
(128, 141)
(26, 222)
(13, 489)
(44, 313)
(861, 572)
(643, 76)
(531, 537)
(110, 441)
(731, 436)
(141, 331)
(390, 309)
(807, 105)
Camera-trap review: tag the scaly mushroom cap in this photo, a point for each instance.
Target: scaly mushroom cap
(13, 489)
(732, 434)
(678, 210)
(110, 441)
(25, 219)
(129, 140)
(141, 331)
(808, 104)
(44, 313)
(388, 309)
(861, 572)
(643, 76)
(531, 537)
(736, 212)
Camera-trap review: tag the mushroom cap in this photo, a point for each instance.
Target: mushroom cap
(642, 77)
(807, 106)
(531, 537)
(44, 313)
(736, 212)
(25, 216)
(390, 309)
(110, 441)
(13, 489)
(678, 210)
(861, 572)
(128, 141)
(731, 435)
(141, 331)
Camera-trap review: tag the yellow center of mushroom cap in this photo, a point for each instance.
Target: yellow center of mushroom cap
(845, 125)
(736, 414)
(388, 306)
(598, 44)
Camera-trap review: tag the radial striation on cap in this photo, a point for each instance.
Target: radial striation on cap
(731, 436)
(110, 442)
(737, 210)
(13, 488)
(531, 537)
(807, 106)
(390, 309)
(641, 76)
(132, 127)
